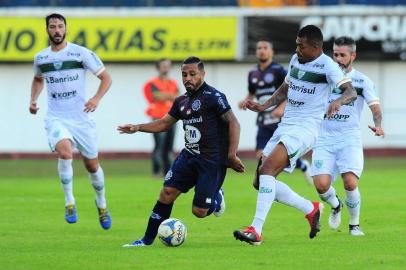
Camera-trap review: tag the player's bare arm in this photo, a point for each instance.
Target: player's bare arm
(248, 97)
(377, 117)
(278, 112)
(156, 126)
(277, 98)
(348, 95)
(36, 89)
(105, 83)
(234, 139)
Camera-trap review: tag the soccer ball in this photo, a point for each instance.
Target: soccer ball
(172, 232)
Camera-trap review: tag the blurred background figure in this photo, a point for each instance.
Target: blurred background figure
(160, 92)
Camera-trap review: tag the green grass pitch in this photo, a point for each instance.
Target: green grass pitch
(34, 235)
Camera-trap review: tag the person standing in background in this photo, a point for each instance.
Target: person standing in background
(160, 92)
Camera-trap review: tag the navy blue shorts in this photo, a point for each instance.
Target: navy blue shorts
(264, 134)
(190, 171)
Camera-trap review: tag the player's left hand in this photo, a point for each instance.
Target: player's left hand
(333, 108)
(236, 164)
(91, 105)
(377, 130)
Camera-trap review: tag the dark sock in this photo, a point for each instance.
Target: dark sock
(300, 165)
(159, 213)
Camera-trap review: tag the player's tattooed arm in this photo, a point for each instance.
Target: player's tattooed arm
(377, 117)
(277, 98)
(234, 139)
(156, 126)
(348, 95)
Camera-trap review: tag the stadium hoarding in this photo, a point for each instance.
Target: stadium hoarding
(128, 39)
(378, 36)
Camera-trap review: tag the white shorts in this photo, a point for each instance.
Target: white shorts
(297, 141)
(82, 134)
(338, 158)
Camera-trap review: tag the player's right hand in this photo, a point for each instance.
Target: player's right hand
(236, 164)
(241, 105)
(252, 106)
(129, 129)
(33, 107)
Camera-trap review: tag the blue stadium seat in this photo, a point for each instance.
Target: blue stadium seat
(24, 3)
(376, 2)
(74, 3)
(133, 3)
(329, 2)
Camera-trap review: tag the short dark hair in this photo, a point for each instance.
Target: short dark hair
(346, 41)
(312, 34)
(158, 63)
(55, 16)
(264, 39)
(194, 60)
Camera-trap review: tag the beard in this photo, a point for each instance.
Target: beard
(55, 41)
(190, 88)
(263, 60)
(345, 66)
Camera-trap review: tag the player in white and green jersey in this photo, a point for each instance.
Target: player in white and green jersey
(68, 125)
(339, 147)
(311, 75)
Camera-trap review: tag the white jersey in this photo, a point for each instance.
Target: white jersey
(65, 74)
(347, 119)
(309, 87)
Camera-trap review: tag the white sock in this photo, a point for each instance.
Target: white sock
(353, 202)
(266, 196)
(97, 179)
(285, 195)
(330, 197)
(65, 172)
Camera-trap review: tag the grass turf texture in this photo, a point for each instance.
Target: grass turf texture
(34, 234)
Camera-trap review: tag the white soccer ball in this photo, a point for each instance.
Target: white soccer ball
(172, 232)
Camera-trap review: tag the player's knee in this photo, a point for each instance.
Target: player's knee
(92, 167)
(199, 212)
(267, 169)
(350, 186)
(321, 187)
(65, 154)
(350, 181)
(167, 195)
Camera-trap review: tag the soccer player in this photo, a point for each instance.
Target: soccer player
(306, 88)
(339, 146)
(263, 81)
(67, 123)
(211, 140)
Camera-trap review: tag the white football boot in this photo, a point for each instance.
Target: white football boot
(334, 220)
(355, 230)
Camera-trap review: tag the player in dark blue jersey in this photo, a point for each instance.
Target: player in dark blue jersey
(263, 81)
(211, 140)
